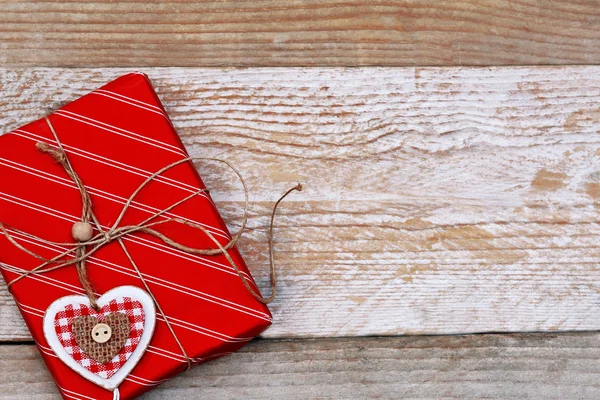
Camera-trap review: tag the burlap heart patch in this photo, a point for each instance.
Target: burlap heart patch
(119, 329)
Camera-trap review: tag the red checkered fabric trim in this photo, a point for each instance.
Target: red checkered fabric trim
(63, 324)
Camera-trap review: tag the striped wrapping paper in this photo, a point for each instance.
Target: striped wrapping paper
(115, 137)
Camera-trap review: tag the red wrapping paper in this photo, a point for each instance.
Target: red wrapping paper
(115, 137)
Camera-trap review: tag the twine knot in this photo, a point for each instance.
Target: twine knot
(58, 155)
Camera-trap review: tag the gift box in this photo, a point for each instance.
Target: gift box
(191, 307)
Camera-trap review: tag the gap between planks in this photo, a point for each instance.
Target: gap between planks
(437, 201)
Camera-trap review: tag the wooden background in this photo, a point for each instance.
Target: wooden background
(439, 200)
(319, 33)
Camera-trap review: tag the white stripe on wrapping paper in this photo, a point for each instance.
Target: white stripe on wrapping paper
(148, 381)
(119, 131)
(151, 349)
(36, 207)
(45, 280)
(128, 100)
(72, 219)
(107, 161)
(48, 351)
(138, 379)
(139, 240)
(157, 281)
(68, 393)
(101, 193)
(106, 195)
(74, 289)
(190, 257)
(169, 285)
(132, 378)
(140, 102)
(112, 163)
(178, 357)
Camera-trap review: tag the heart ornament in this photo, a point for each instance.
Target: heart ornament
(101, 345)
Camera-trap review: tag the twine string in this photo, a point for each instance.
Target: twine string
(78, 253)
(61, 158)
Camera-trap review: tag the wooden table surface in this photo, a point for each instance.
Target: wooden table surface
(446, 245)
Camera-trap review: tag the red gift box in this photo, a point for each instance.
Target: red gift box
(115, 138)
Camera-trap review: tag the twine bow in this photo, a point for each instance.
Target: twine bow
(79, 252)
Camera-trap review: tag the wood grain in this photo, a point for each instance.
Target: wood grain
(488, 366)
(299, 33)
(438, 200)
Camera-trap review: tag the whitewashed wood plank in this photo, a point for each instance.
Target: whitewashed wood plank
(438, 200)
(470, 367)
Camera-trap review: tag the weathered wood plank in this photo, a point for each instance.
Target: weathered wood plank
(437, 200)
(471, 367)
(299, 33)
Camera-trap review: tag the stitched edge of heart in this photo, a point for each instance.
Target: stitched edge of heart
(149, 325)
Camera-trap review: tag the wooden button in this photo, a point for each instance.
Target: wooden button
(101, 333)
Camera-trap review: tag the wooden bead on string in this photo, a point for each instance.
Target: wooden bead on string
(82, 231)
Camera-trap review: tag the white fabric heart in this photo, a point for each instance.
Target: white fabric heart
(128, 300)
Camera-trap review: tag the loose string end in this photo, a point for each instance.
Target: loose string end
(56, 154)
(273, 268)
